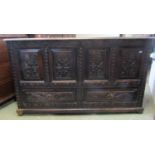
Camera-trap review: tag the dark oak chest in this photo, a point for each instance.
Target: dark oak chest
(80, 75)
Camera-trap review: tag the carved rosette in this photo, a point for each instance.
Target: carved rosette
(96, 64)
(30, 64)
(63, 64)
(129, 64)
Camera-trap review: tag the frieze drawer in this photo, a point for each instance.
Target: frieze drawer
(110, 98)
(47, 99)
(115, 95)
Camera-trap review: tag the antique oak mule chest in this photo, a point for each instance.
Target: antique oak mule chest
(105, 75)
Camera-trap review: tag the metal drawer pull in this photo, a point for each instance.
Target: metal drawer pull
(110, 95)
(140, 52)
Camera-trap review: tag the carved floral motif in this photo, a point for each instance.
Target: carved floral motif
(129, 64)
(96, 64)
(29, 64)
(63, 64)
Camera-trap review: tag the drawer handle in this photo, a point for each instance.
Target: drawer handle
(110, 95)
(140, 52)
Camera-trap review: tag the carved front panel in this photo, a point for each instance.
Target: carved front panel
(31, 63)
(113, 95)
(129, 63)
(49, 96)
(63, 64)
(48, 99)
(96, 64)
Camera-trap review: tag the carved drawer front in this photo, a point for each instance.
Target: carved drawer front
(31, 64)
(129, 63)
(96, 95)
(63, 64)
(45, 99)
